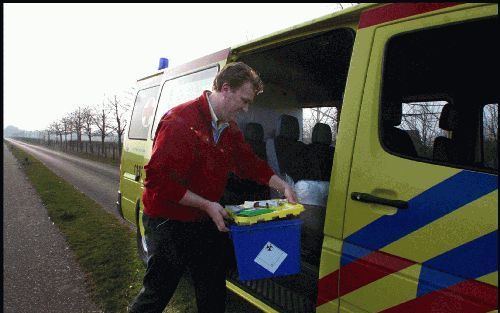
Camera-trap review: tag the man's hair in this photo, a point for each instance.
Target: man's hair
(235, 75)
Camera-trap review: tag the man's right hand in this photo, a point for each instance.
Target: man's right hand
(216, 213)
(213, 209)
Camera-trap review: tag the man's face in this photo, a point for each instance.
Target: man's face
(236, 100)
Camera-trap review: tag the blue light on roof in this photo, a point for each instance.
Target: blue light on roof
(163, 63)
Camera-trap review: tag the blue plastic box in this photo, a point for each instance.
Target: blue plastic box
(267, 249)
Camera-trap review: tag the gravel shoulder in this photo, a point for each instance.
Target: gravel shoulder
(40, 271)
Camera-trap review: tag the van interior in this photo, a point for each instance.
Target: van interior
(292, 125)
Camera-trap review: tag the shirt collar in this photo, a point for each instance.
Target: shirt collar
(215, 120)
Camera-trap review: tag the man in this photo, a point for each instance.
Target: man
(197, 144)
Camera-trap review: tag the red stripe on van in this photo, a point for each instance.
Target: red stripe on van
(206, 60)
(396, 11)
(359, 273)
(469, 296)
(328, 288)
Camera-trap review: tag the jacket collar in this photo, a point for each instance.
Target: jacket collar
(204, 108)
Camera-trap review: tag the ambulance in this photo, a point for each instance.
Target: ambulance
(384, 117)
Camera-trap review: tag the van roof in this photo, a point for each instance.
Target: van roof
(350, 14)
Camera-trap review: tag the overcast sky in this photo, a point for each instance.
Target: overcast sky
(61, 56)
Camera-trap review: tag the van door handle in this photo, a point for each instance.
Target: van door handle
(364, 197)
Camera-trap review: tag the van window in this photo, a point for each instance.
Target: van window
(433, 103)
(490, 135)
(182, 89)
(313, 116)
(142, 113)
(421, 121)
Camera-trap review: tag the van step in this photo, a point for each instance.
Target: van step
(292, 294)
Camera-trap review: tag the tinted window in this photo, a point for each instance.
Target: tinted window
(436, 83)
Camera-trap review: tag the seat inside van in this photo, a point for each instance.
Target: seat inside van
(447, 149)
(320, 153)
(396, 139)
(290, 151)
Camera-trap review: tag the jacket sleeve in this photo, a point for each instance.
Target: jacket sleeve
(171, 159)
(247, 164)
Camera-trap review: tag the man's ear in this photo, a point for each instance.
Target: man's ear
(225, 88)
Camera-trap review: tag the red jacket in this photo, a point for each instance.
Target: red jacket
(185, 157)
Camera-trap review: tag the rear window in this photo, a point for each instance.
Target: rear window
(142, 113)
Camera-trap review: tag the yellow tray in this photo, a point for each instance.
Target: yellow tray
(278, 208)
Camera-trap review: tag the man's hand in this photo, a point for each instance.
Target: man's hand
(213, 209)
(216, 213)
(281, 186)
(290, 194)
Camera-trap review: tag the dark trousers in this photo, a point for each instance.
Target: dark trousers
(175, 246)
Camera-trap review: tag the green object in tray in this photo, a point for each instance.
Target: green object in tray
(254, 212)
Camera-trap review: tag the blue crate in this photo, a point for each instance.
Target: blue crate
(267, 249)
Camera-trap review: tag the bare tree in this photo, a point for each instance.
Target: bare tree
(66, 125)
(77, 120)
(118, 109)
(48, 131)
(70, 126)
(490, 134)
(88, 121)
(491, 122)
(102, 121)
(58, 129)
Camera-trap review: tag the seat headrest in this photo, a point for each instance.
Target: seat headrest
(449, 118)
(254, 132)
(288, 127)
(322, 133)
(392, 112)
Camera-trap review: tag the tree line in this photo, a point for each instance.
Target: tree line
(104, 120)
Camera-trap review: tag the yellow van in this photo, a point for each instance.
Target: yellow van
(385, 119)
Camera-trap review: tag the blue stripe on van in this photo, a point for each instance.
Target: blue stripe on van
(352, 252)
(468, 261)
(432, 204)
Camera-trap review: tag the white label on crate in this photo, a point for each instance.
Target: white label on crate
(270, 257)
